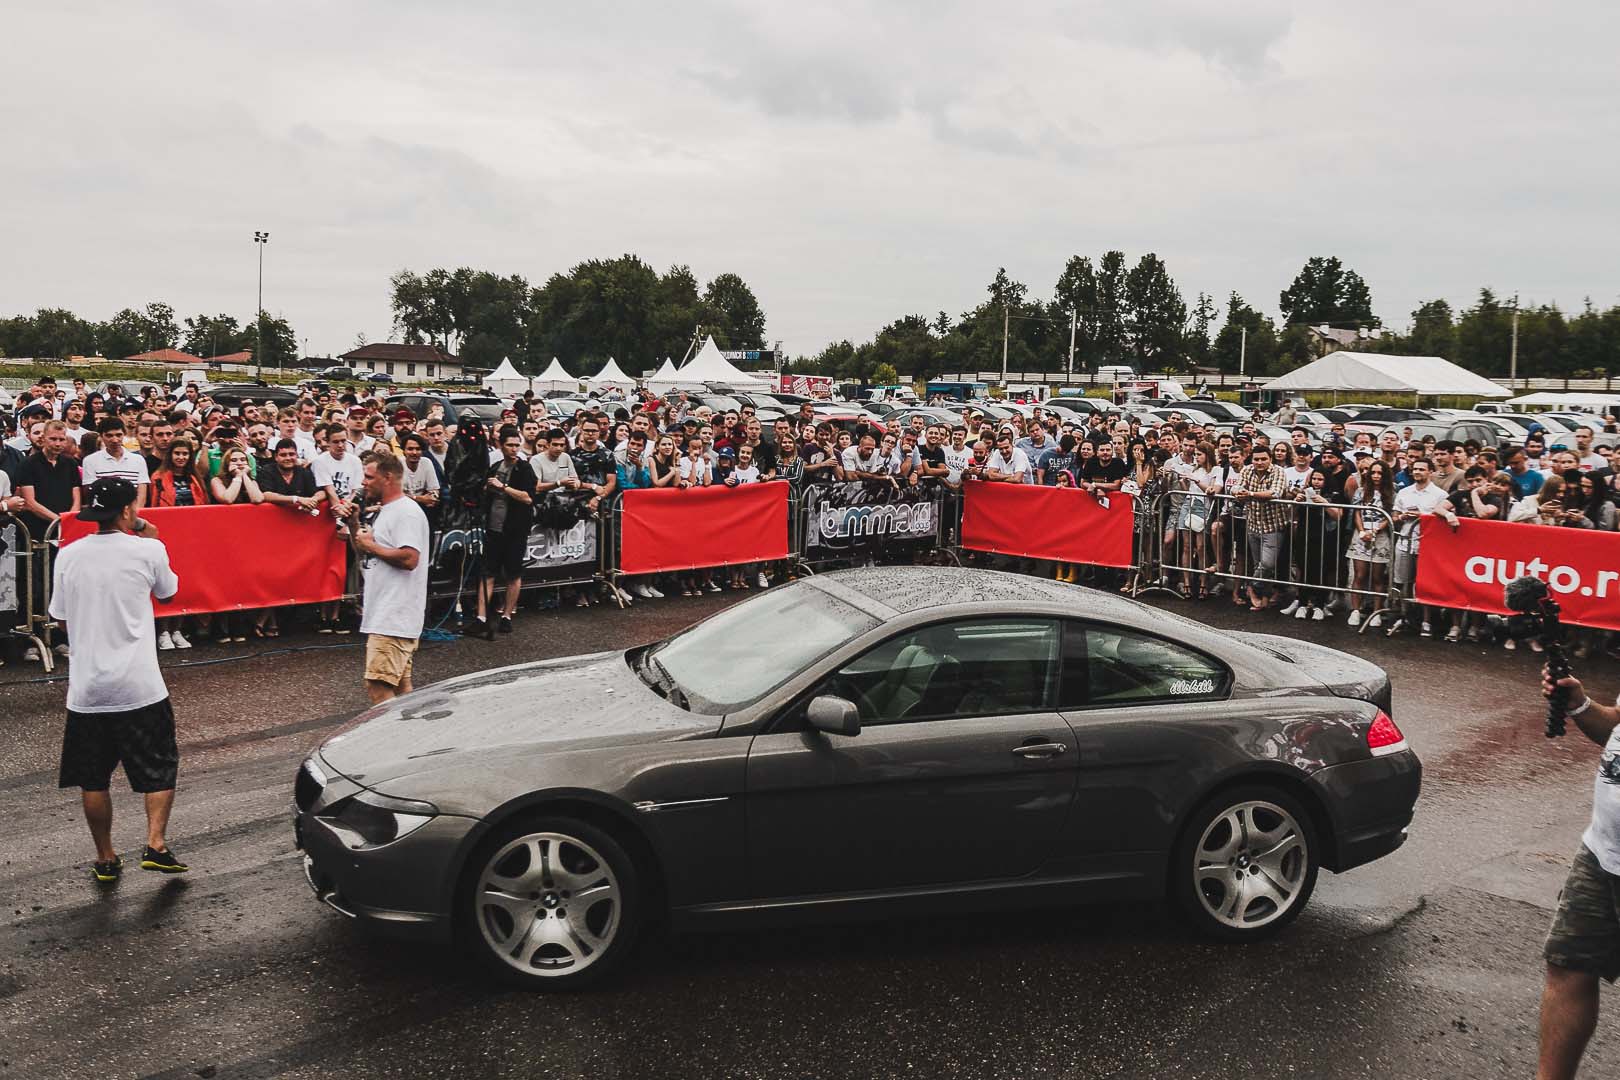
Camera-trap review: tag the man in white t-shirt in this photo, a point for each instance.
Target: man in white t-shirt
(118, 710)
(1585, 457)
(304, 433)
(1413, 502)
(1583, 945)
(337, 471)
(864, 461)
(421, 479)
(394, 562)
(113, 460)
(958, 456)
(1007, 462)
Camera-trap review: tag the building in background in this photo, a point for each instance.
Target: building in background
(405, 361)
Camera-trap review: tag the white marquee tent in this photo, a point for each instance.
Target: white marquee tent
(610, 376)
(554, 378)
(1417, 375)
(708, 366)
(506, 380)
(1584, 401)
(664, 378)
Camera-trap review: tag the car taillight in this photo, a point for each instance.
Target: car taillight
(1384, 738)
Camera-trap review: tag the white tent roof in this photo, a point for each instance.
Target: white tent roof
(1396, 374)
(709, 366)
(664, 376)
(1568, 399)
(555, 378)
(506, 379)
(610, 375)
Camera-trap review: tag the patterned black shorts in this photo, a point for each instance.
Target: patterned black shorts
(142, 740)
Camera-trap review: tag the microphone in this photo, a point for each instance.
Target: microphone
(1536, 614)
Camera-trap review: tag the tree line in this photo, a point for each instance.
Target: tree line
(58, 333)
(600, 308)
(1117, 312)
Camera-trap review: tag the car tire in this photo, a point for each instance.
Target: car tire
(1246, 863)
(550, 903)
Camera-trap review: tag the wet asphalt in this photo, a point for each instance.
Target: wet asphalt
(1424, 964)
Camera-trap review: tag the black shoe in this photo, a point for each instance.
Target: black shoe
(162, 861)
(475, 628)
(506, 624)
(108, 872)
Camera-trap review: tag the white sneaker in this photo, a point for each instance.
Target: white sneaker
(32, 655)
(165, 642)
(62, 650)
(1318, 614)
(1375, 622)
(1426, 630)
(764, 582)
(1302, 611)
(1454, 634)
(652, 591)
(1289, 610)
(1355, 617)
(1510, 645)
(640, 591)
(622, 595)
(713, 587)
(179, 642)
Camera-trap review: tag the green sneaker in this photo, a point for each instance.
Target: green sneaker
(108, 872)
(162, 861)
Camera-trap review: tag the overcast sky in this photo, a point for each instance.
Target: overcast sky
(852, 161)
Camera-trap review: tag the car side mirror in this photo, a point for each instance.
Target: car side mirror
(834, 715)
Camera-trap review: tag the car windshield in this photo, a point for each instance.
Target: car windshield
(731, 659)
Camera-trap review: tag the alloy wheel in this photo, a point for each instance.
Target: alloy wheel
(1250, 865)
(548, 904)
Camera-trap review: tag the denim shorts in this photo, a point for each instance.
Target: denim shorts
(1585, 933)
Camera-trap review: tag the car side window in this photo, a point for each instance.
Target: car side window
(985, 667)
(1105, 665)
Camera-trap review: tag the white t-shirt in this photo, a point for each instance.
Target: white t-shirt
(395, 600)
(343, 475)
(103, 590)
(1018, 463)
(1593, 461)
(1602, 836)
(1294, 478)
(1409, 498)
(698, 472)
(955, 461)
(854, 462)
(422, 479)
(750, 475)
(308, 450)
(131, 467)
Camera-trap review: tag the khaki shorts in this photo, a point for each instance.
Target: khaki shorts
(1585, 933)
(388, 659)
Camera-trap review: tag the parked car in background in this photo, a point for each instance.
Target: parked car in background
(232, 395)
(381, 378)
(1220, 410)
(340, 373)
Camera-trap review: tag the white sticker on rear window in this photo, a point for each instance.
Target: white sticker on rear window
(1192, 686)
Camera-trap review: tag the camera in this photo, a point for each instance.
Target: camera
(1535, 614)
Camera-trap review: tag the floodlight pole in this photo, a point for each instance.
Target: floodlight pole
(260, 240)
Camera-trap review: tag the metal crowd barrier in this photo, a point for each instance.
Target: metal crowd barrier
(1203, 538)
(31, 560)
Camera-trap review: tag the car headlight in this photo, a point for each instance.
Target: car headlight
(369, 819)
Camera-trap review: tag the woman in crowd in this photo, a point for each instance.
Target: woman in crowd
(177, 483)
(1315, 545)
(235, 486)
(664, 468)
(695, 474)
(1545, 507)
(1192, 520)
(1370, 544)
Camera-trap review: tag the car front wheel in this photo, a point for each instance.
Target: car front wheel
(551, 903)
(1246, 863)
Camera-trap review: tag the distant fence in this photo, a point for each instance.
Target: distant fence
(1234, 382)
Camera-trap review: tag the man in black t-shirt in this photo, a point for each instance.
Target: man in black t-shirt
(932, 454)
(598, 472)
(1104, 472)
(49, 481)
(288, 483)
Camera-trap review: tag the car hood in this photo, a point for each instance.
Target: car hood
(1342, 674)
(573, 703)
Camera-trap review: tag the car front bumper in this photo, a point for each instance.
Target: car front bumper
(1371, 803)
(401, 888)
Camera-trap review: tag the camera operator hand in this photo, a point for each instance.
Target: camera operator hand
(1596, 721)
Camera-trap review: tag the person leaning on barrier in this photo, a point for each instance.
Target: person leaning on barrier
(1260, 488)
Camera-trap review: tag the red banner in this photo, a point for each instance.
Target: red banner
(242, 557)
(663, 529)
(1468, 567)
(1039, 522)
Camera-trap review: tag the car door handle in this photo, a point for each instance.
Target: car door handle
(1039, 750)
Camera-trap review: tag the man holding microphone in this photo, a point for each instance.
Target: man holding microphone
(1584, 943)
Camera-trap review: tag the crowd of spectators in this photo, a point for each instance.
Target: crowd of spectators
(1323, 522)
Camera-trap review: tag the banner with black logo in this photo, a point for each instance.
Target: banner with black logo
(10, 536)
(555, 549)
(851, 517)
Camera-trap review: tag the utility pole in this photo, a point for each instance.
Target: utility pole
(1513, 351)
(1074, 320)
(1006, 318)
(1243, 350)
(260, 240)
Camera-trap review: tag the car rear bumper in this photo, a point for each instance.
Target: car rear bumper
(1371, 805)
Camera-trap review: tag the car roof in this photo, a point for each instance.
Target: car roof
(906, 589)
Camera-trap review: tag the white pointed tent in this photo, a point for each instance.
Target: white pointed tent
(554, 378)
(506, 380)
(610, 376)
(708, 366)
(664, 378)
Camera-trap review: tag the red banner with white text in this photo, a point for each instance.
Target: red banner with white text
(1468, 567)
(231, 558)
(663, 529)
(1039, 522)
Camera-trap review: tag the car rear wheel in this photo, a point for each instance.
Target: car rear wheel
(551, 903)
(1246, 863)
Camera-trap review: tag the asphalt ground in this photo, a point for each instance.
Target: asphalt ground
(1424, 964)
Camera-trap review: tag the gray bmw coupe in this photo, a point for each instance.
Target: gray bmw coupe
(871, 742)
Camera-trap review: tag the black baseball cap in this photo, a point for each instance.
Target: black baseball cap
(106, 498)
